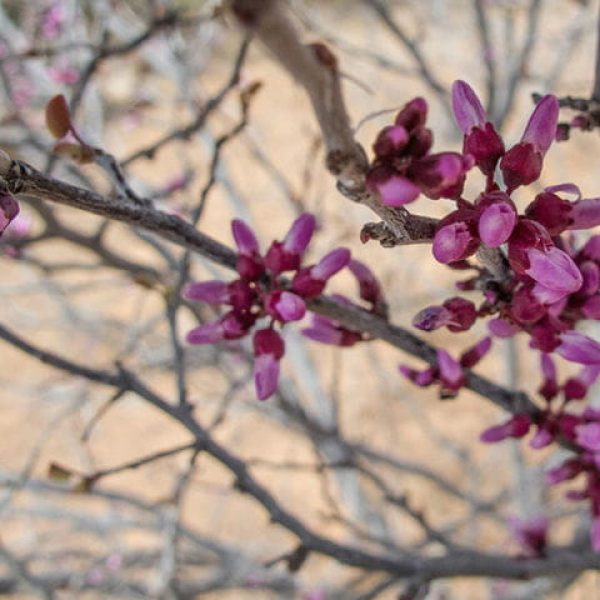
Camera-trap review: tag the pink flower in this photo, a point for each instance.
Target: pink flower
(496, 223)
(516, 427)
(588, 436)
(522, 164)
(269, 347)
(554, 270)
(481, 139)
(310, 281)
(579, 348)
(454, 242)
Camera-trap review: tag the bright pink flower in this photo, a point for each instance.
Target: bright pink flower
(569, 469)
(472, 356)
(212, 292)
(554, 269)
(502, 328)
(285, 306)
(287, 255)
(310, 281)
(522, 164)
(453, 242)
(369, 287)
(579, 348)
(397, 190)
(457, 314)
(269, 347)
(496, 223)
(328, 331)
(516, 427)
(588, 436)
(585, 214)
(481, 139)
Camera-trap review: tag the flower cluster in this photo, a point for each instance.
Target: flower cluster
(535, 276)
(557, 421)
(533, 279)
(263, 292)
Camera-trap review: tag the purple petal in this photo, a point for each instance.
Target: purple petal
(592, 248)
(502, 328)
(547, 296)
(588, 436)
(541, 128)
(585, 214)
(554, 269)
(567, 470)
(413, 114)
(244, 238)
(432, 318)
(391, 140)
(268, 341)
(266, 375)
(472, 356)
(397, 191)
(420, 378)
(290, 307)
(330, 264)
(496, 223)
(213, 292)
(541, 439)
(441, 175)
(369, 287)
(591, 278)
(207, 333)
(467, 108)
(579, 348)
(450, 370)
(325, 333)
(548, 366)
(451, 242)
(300, 234)
(567, 188)
(516, 427)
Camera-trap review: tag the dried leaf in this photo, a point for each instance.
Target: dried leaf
(58, 116)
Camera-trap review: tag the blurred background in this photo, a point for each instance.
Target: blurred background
(347, 445)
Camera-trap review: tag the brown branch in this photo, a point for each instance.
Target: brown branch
(22, 178)
(564, 560)
(596, 88)
(315, 68)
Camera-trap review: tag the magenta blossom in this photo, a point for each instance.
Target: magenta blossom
(403, 167)
(261, 292)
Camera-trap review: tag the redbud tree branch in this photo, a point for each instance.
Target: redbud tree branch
(21, 178)
(315, 68)
(596, 88)
(564, 560)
